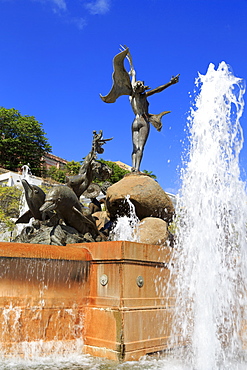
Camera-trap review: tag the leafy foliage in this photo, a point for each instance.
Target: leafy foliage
(56, 174)
(150, 173)
(72, 168)
(59, 175)
(117, 172)
(9, 205)
(22, 141)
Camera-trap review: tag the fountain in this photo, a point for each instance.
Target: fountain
(210, 253)
(59, 297)
(121, 299)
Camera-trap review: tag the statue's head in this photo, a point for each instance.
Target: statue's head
(139, 87)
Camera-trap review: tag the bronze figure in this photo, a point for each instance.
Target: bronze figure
(137, 91)
(79, 183)
(64, 201)
(35, 198)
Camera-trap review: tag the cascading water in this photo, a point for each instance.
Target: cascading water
(125, 227)
(211, 247)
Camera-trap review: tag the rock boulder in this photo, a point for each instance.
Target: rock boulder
(149, 199)
(152, 230)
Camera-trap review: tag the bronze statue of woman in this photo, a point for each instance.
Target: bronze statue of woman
(138, 94)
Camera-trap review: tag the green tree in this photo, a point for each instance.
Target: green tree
(59, 174)
(56, 174)
(117, 172)
(72, 168)
(22, 141)
(150, 173)
(9, 205)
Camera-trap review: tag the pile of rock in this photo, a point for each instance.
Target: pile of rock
(153, 206)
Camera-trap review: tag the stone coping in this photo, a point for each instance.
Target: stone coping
(43, 251)
(98, 251)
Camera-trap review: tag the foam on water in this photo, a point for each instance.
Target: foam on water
(85, 362)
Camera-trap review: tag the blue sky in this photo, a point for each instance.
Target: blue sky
(56, 58)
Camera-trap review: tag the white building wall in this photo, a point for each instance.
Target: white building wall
(14, 179)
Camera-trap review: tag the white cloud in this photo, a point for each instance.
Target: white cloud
(61, 4)
(98, 6)
(57, 4)
(80, 23)
(62, 9)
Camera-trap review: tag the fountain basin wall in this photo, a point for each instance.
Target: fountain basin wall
(43, 293)
(97, 298)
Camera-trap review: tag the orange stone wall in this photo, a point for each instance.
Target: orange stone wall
(122, 320)
(43, 294)
(55, 297)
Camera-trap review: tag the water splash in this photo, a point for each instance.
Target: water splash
(125, 227)
(26, 175)
(36, 317)
(210, 253)
(23, 208)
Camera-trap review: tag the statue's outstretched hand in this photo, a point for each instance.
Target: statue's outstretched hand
(175, 79)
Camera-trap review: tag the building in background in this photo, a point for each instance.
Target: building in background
(123, 166)
(51, 160)
(14, 179)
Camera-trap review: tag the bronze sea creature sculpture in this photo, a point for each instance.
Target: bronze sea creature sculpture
(79, 183)
(64, 201)
(35, 198)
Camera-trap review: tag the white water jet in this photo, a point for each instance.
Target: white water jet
(211, 247)
(26, 175)
(125, 227)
